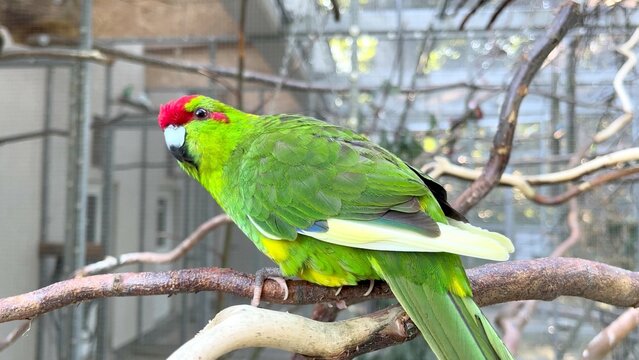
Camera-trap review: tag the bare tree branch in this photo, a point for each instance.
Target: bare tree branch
(244, 326)
(15, 334)
(524, 183)
(472, 12)
(612, 335)
(500, 8)
(336, 13)
(541, 279)
(628, 109)
(517, 315)
(111, 262)
(502, 142)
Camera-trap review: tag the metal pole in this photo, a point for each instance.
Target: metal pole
(82, 169)
(103, 329)
(142, 228)
(186, 229)
(354, 78)
(44, 198)
(65, 336)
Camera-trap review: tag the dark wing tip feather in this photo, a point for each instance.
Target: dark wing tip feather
(440, 195)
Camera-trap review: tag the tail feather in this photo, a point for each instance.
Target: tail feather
(453, 326)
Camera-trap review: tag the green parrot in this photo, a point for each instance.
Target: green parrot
(331, 207)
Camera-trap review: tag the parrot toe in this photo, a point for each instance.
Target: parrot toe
(267, 273)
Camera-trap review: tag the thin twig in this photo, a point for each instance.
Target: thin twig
(524, 183)
(472, 12)
(335, 5)
(15, 334)
(500, 8)
(628, 109)
(502, 142)
(111, 262)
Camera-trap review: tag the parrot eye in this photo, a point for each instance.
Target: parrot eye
(201, 113)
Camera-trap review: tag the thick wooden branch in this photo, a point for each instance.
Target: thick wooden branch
(244, 326)
(518, 89)
(540, 279)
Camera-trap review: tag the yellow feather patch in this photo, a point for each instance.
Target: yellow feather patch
(313, 276)
(458, 288)
(277, 250)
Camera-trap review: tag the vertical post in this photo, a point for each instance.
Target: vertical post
(82, 169)
(186, 207)
(555, 115)
(44, 197)
(571, 82)
(354, 78)
(103, 335)
(142, 226)
(65, 336)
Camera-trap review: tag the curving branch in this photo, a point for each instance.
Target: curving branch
(524, 183)
(245, 326)
(612, 335)
(567, 17)
(626, 104)
(112, 262)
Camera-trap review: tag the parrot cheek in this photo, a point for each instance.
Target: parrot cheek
(175, 137)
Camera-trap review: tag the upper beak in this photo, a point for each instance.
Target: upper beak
(175, 137)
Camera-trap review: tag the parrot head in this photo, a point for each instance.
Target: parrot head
(193, 125)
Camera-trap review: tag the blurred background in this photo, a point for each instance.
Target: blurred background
(84, 168)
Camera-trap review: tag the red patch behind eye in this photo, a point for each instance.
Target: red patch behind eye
(221, 117)
(174, 113)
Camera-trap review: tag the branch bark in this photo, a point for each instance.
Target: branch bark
(518, 89)
(540, 279)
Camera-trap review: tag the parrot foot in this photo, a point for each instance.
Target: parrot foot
(370, 288)
(368, 292)
(267, 273)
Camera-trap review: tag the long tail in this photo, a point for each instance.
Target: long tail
(434, 291)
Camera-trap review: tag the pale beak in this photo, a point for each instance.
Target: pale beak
(175, 136)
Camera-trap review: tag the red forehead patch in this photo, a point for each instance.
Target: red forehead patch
(174, 113)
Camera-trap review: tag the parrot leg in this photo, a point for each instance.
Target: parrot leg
(267, 273)
(339, 290)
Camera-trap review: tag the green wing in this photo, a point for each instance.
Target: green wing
(304, 176)
(301, 170)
